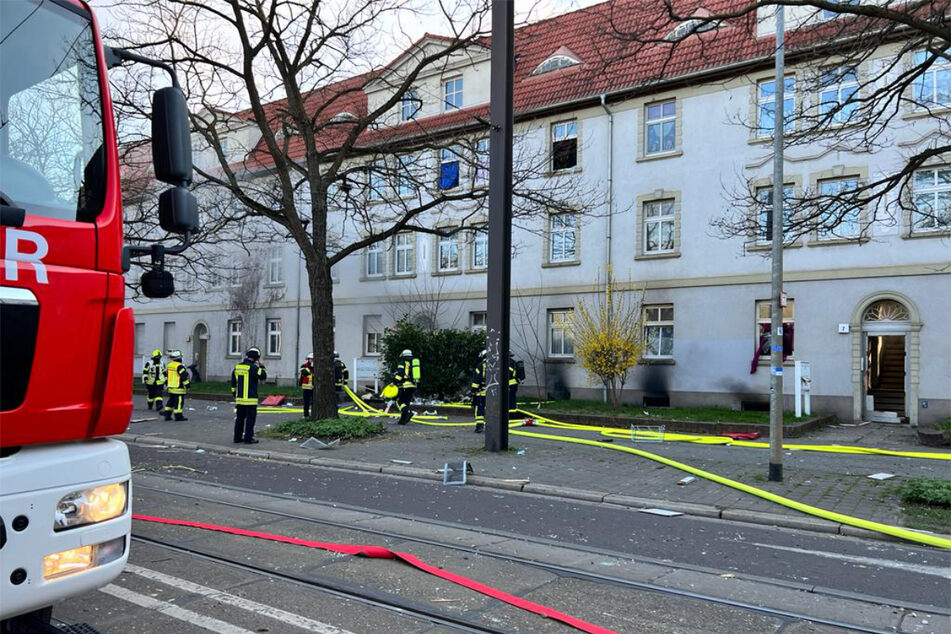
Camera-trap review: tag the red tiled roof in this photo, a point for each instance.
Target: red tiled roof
(609, 64)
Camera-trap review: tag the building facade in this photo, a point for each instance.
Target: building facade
(654, 167)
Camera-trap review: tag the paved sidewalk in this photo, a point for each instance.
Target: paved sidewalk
(835, 482)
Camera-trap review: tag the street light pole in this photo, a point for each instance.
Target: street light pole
(500, 225)
(776, 251)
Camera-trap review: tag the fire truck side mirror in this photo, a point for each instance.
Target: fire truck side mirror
(171, 139)
(157, 284)
(178, 211)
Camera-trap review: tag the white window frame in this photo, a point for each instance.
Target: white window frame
(563, 238)
(846, 84)
(933, 190)
(939, 70)
(404, 244)
(764, 211)
(479, 252)
(448, 245)
(452, 93)
(481, 162)
(563, 132)
(139, 339)
(667, 216)
(372, 343)
(827, 187)
(763, 317)
(658, 320)
(273, 331)
(766, 102)
(376, 181)
(478, 321)
(374, 253)
(559, 330)
(410, 105)
(659, 121)
(234, 337)
(406, 176)
(275, 264)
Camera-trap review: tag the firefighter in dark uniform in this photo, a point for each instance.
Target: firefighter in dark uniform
(341, 376)
(516, 376)
(305, 378)
(477, 389)
(244, 386)
(153, 376)
(177, 381)
(406, 378)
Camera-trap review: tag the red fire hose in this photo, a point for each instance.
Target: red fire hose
(378, 552)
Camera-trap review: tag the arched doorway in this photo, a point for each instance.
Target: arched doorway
(200, 350)
(886, 350)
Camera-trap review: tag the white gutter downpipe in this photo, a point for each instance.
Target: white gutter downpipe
(610, 203)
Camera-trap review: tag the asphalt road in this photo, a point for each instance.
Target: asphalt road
(489, 535)
(894, 573)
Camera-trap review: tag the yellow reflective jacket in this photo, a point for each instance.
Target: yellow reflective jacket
(177, 377)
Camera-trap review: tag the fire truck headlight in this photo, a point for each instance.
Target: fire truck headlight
(89, 506)
(83, 558)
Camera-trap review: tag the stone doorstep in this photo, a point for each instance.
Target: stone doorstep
(800, 522)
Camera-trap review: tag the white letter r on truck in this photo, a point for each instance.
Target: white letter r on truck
(16, 238)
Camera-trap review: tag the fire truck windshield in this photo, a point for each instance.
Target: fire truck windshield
(52, 161)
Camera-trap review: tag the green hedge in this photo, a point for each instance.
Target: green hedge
(447, 357)
(327, 429)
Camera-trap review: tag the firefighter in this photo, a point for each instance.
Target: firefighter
(406, 379)
(341, 376)
(306, 380)
(516, 376)
(244, 386)
(477, 389)
(153, 376)
(176, 386)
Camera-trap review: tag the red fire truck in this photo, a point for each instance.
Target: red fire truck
(66, 348)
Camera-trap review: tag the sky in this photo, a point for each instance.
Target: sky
(414, 27)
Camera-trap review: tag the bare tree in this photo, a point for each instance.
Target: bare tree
(862, 70)
(302, 126)
(247, 296)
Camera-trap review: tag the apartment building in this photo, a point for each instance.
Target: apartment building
(653, 164)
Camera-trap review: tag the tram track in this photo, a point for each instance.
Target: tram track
(561, 570)
(331, 587)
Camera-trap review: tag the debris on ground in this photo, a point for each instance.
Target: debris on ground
(881, 476)
(662, 512)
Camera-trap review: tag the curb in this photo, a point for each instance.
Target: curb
(746, 516)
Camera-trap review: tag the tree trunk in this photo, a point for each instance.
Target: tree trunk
(322, 330)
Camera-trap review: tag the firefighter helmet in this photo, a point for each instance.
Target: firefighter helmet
(406, 353)
(175, 354)
(156, 353)
(310, 356)
(253, 353)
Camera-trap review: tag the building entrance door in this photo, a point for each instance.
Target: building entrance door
(200, 350)
(885, 331)
(885, 377)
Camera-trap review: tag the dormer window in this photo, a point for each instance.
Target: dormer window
(690, 27)
(555, 62)
(343, 117)
(410, 104)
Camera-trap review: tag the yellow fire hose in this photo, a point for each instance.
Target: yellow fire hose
(367, 410)
(614, 432)
(895, 531)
